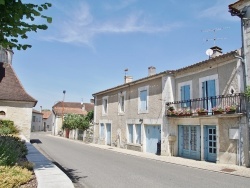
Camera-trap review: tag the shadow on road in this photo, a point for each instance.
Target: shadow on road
(37, 141)
(71, 173)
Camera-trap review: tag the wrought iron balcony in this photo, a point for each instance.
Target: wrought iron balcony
(221, 104)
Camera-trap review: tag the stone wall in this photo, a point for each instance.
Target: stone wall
(20, 113)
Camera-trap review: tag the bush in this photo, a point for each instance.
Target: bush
(11, 150)
(26, 164)
(14, 176)
(8, 127)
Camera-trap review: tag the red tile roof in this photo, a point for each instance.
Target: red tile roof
(11, 88)
(36, 111)
(46, 114)
(72, 108)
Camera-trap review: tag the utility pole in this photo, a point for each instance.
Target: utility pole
(64, 91)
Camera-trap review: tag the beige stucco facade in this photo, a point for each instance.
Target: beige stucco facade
(20, 113)
(131, 114)
(226, 70)
(227, 148)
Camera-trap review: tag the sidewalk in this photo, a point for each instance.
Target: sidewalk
(48, 174)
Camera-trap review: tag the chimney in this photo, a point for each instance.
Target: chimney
(151, 71)
(128, 79)
(83, 107)
(217, 51)
(92, 101)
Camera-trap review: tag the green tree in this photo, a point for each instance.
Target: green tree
(16, 20)
(76, 121)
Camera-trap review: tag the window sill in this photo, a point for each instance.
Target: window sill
(143, 112)
(121, 113)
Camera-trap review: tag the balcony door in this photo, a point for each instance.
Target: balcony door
(208, 91)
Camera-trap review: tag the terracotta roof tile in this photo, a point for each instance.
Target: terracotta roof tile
(10, 87)
(72, 108)
(36, 111)
(46, 114)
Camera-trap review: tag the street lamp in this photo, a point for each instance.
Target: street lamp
(64, 91)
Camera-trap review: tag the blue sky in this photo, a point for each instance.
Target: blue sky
(91, 42)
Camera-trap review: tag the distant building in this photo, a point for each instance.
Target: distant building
(60, 109)
(15, 103)
(37, 121)
(47, 120)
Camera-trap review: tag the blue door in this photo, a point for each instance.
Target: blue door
(208, 90)
(189, 141)
(153, 136)
(108, 127)
(210, 145)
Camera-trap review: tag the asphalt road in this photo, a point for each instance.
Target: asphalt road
(93, 167)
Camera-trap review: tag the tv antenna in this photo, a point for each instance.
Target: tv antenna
(215, 38)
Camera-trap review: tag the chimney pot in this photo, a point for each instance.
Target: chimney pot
(217, 51)
(128, 79)
(151, 71)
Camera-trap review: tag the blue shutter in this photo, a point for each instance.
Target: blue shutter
(102, 130)
(204, 89)
(143, 99)
(182, 93)
(138, 133)
(130, 132)
(211, 91)
(185, 95)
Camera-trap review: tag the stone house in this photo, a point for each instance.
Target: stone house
(15, 103)
(47, 120)
(37, 121)
(60, 109)
(134, 115)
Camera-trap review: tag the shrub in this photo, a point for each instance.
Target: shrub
(14, 176)
(8, 127)
(11, 150)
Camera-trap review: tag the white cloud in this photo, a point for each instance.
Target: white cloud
(218, 11)
(81, 27)
(120, 5)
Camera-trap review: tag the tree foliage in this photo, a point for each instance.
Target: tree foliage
(76, 121)
(16, 20)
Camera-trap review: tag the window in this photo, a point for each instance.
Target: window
(209, 88)
(104, 105)
(130, 133)
(143, 100)
(2, 113)
(121, 102)
(134, 133)
(101, 130)
(185, 95)
(138, 134)
(34, 118)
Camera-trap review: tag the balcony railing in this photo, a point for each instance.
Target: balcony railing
(222, 103)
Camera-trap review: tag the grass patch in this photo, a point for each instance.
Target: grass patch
(13, 176)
